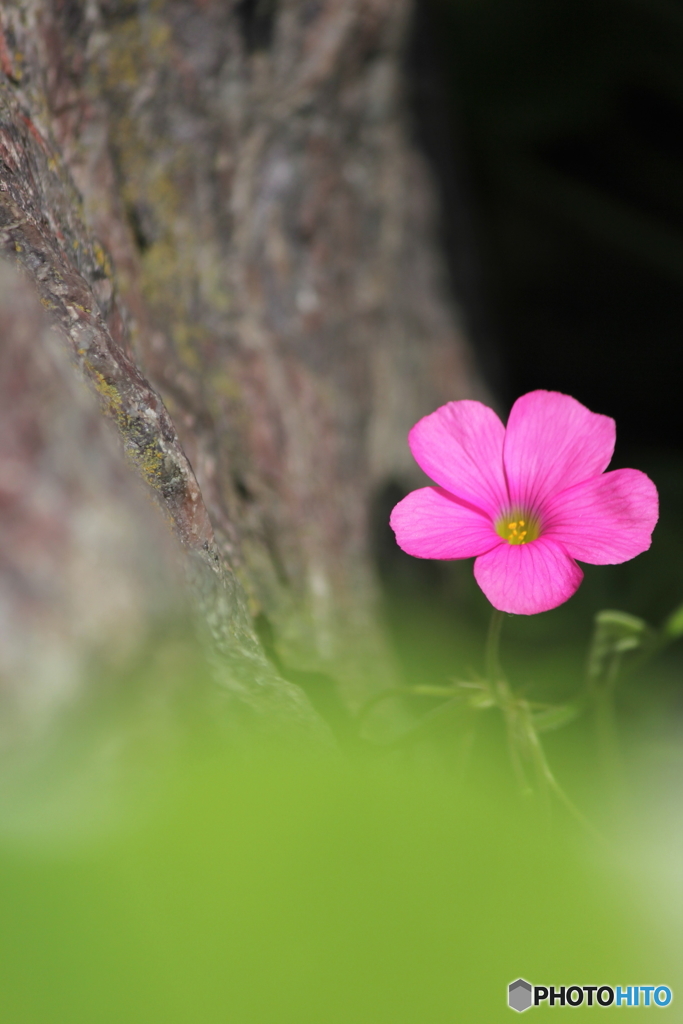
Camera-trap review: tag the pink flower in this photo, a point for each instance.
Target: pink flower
(525, 501)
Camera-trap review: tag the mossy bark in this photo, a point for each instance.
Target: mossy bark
(222, 211)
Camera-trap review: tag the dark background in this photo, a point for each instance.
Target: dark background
(555, 134)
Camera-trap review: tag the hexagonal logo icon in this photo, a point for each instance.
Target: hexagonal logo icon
(519, 995)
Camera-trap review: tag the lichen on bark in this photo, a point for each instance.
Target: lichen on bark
(224, 199)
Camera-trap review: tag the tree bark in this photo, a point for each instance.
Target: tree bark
(221, 209)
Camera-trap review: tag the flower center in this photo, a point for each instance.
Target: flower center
(518, 527)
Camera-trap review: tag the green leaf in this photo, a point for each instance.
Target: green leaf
(424, 690)
(615, 634)
(555, 717)
(673, 627)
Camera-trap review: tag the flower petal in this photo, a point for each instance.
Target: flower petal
(431, 523)
(553, 442)
(606, 520)
(528, 578)
(460, 446)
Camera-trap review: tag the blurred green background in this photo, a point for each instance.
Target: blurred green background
(277, 888)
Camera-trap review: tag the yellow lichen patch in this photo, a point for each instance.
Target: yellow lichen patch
(150, 462)
(181, 270)
(225, 385)
(168, 285)
(183, 337)
(101, 259)
(212, 278)
(110, 395)
(133, 46)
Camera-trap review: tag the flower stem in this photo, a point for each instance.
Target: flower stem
(545, 773)
(523, 740)
(493, 670)
(502, 695)
(606, 728)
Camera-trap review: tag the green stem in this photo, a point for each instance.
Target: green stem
(493, 670)
(501, 693)
(508, 705)
(544, 771)
(522, 736)
(606, 728)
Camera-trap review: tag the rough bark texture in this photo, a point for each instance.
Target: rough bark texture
(221, 198)
(89, 572)
(81, 558)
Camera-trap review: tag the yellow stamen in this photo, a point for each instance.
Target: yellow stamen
(518, 531)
